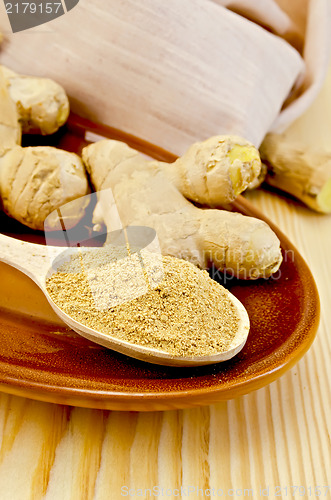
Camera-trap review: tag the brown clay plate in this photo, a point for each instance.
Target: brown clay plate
(42, 359)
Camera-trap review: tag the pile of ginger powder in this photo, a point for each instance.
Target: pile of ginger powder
(155, 301)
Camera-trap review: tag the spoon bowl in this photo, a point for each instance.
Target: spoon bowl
(39, 262)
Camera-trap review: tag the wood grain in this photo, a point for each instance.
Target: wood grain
(278, 436)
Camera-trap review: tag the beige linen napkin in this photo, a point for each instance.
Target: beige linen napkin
(177, 71)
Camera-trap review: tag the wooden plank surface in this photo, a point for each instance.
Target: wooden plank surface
(277, 437)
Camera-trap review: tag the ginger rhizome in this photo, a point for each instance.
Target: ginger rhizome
(298, 170)
(145, 194)
(42, 104)
(213, 172)
(34, 181)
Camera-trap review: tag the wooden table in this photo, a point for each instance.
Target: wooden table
(272, 442)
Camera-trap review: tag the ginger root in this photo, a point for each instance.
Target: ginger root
(298, 170)
(215, 171)
(212, 172)
(10, 130)
(35, 181)
(144, 194)
(42, 104)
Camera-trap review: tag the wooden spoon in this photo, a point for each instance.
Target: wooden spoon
(38, 262)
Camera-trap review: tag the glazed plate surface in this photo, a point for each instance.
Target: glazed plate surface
(41, 358)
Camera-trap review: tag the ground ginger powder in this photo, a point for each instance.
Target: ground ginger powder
(182, 311)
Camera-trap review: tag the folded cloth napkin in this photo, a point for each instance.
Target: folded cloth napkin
(177, 71)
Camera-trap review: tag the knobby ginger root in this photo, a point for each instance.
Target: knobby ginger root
(145, 196)
(10, 130)
(298, 170)
(35, 181)
(215, 171)
(212, 172)
(42, 104)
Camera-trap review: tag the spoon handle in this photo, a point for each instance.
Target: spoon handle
(32, 259)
